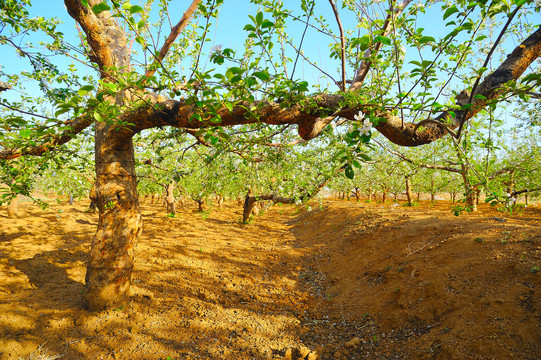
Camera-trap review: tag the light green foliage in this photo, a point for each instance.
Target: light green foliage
(417, 73)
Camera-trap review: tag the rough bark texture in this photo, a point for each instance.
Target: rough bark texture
(93, 199)
(109, 269)
(170, 198)
(108, 276)
(408, 191)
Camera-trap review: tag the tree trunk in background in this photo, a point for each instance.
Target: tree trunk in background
(526, 198)
(357, 194)
(170, 198)
(109, 269)
(432, 197)
(13, 207)
(409, 195)
(220, 202)
(249, 203)
(200, 205)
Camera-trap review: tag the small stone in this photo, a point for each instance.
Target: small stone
(353, 342)
(291, 354)
(337, 355)
(80, 321)
(304, 351)
(313, 356)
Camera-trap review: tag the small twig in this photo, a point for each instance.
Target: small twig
(342, 43)
(302, 40)
(489, 55)
(421, 248)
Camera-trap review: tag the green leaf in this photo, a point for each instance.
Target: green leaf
(85, 89)
(262, 75)
(382, 39)
(450, 11)
(98, 117)
(249, 27)
(259, 18)
(350, 174)
(425, 39)
(25, 133)
(99, 8)
(229, 106)
(365, 157)
(136, 9)
(267, 24)
(232, 71)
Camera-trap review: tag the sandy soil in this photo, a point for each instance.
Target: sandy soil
(346, 281)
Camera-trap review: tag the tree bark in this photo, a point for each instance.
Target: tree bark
(109, 269)
(408, 191)
(220, 202)
(170, 198)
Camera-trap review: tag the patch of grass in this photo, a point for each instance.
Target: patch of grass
(205, 214)
(504, 240)
(479, 239)
(535, 269)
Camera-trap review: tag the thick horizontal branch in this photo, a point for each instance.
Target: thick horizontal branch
(76, 126)
(306, 115)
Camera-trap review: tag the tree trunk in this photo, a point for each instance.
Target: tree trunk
(408, 191)
(71, 200)
(13, 207)
(249, 203)
(453, 197)
(526, 198)
(220, 202)
(170, 198)
(383, 197)
(471, 200)
(200, 205)
(109, 269)
(93, 199)
(432, 197)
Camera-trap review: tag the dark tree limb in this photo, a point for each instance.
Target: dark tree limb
(250, 200)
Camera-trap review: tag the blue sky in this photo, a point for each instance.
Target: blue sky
(228, 32)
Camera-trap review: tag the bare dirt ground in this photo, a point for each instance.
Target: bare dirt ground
(350, 280)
